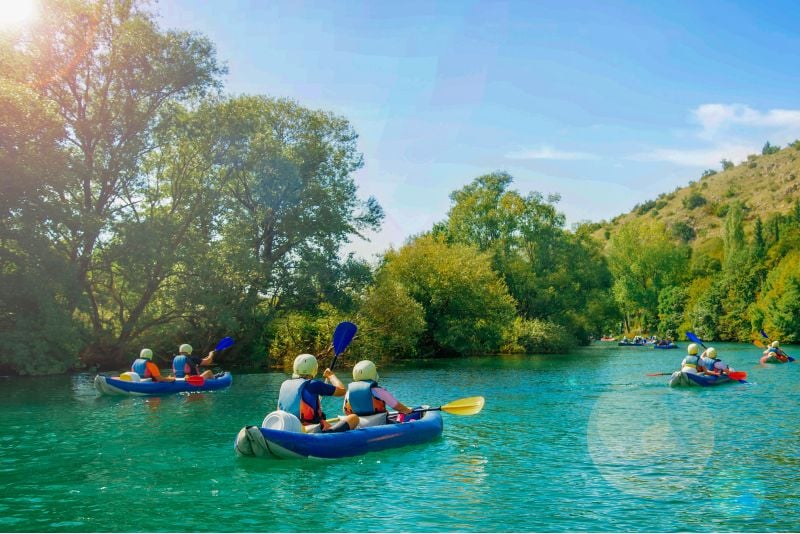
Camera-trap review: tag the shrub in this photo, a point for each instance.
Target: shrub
(683, 231)
(534, 336)
(694, 200)
(770, 149)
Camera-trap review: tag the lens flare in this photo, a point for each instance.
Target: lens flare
(15, 12)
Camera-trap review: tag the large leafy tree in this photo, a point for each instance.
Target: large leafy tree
(466, 304)
(644, 261)
(107, 72)
(288, 203)
(553, 275)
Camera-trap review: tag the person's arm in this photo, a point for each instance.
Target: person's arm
(390, 400)
(335, 382)
(155, 372)
(208, 360)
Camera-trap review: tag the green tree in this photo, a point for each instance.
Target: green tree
(391, 322)
(726, 164)
(770, 149)
(643, 262)
(288, 203)
(467, 306)
(552, 274)
(108, 71)
(780, 301)
(671, 307)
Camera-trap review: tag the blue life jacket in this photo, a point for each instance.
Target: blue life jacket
(140, 367)
(290, 399)
(182, 365)
(360, 400)
(691, 361)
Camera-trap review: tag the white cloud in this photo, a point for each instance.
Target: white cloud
(729, 131)
(714, 118)
(702, 157)
(548, 152)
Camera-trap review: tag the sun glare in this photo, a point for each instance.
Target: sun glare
(14, 12)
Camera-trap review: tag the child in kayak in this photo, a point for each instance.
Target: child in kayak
(145, 368)
(691, 363)
(365, 397)
(300, 396)
(775, 350)
(712, 364)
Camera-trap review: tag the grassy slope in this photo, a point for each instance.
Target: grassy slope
(765, 184)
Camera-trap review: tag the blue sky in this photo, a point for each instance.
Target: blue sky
(607, 104)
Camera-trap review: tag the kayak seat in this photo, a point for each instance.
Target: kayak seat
(377, 419)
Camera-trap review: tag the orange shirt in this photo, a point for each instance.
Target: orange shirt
(152, 371)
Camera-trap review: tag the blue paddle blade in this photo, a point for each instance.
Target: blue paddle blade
(342, 336)
(224, 343)
(694, 338)
(764, 334)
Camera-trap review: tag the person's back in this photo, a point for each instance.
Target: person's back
(691, 363)
(774, 350)
(365, 397)
(300, 396)
(145, 368)
(712, 364)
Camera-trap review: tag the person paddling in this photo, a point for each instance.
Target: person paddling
(775, 350)
(691, 363)
(365, 397)
(145, 368)
(300, 396)
(712, 364)
(184, 364)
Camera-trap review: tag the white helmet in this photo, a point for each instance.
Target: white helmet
(185, 348)
(692, 348)
(712, 352)
(146, 354)
(305, 365)
(365, 370)
(775, 344)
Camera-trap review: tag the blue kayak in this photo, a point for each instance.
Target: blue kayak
(108, 385)
(679, 378)
(669, 346)
(284, 444)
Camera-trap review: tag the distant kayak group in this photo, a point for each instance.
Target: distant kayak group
(298, 428)
(639, 341)
(706, 369)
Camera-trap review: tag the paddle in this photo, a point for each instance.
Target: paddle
(224, 343)
(465, 406)
(765, 336)
(195, 380)
(695, 339)
(658, 374)
(735, 375)
(342, 336)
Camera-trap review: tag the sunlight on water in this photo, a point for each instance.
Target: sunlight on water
(585, 442)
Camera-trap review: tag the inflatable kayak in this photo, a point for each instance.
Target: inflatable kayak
(772, 358)
(108, 385)
(680, 378)
(293, 443)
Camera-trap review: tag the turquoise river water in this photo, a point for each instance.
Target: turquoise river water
(584, 442)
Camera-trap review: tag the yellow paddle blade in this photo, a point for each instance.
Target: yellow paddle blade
(466, 406)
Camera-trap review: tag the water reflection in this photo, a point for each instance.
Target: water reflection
(650, 448)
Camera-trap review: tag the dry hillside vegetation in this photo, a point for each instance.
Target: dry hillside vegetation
(764, 184)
